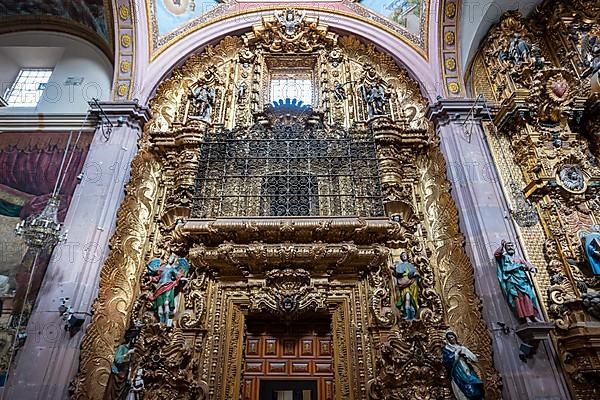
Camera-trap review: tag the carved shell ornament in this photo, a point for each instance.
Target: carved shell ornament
(572, 178)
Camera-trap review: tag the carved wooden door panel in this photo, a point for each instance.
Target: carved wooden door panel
(288, 358)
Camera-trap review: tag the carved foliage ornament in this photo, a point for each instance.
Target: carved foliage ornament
(288, 293)
(166, 358)
(290, 31)
(406, 362)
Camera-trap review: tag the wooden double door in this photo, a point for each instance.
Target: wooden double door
(288, 360)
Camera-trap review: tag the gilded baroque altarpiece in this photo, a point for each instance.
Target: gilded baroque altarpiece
(540, 78)
(248, 259)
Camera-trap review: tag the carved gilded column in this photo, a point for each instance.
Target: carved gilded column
(180, 148)
(398, 146)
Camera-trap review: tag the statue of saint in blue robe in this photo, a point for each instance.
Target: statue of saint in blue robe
(591, 245)
(466, 384)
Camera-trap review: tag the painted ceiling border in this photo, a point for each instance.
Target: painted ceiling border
(220, 13)
(448, 48)
(124, 49)
(57, 23)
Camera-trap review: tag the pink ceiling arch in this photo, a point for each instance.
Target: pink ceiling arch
(151, 72)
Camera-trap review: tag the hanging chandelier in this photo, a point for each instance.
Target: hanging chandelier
(43, 231)
(523, 212)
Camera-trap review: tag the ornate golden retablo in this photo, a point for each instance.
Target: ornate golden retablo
(260, 250)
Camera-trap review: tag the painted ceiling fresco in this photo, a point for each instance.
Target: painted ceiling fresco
(90, 13)
(406, 13)
(172, 14)
(170, 20)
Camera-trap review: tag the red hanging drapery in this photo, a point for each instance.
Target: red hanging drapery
(29, 165)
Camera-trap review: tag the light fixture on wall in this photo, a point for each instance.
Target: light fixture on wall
(106, 125)
(522, 211)
(43, 231)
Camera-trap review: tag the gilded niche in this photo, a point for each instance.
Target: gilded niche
(325, 203)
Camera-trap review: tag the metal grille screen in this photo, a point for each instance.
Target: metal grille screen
(288, 170)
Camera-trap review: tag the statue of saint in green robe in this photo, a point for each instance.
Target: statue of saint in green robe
(407, 278)
(117, 386)
(513, 276)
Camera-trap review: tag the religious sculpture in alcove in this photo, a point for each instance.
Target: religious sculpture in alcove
(519, 50)
(591, 246)
(240, 92)
(513, 275)
(590, 53)
(169, 277)
(373, 91)
(466, 383)
(203, 100)
(117, 383)
(339, 92)
(407, 279)
(136, 391)
(374, 95)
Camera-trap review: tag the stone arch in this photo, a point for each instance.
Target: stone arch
(424, 69)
